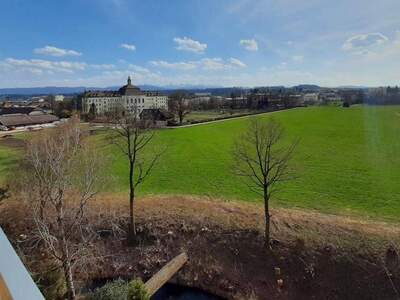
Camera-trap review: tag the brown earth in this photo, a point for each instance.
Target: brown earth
(314, 256)
(12, 142)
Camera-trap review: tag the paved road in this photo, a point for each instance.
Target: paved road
(229, 119)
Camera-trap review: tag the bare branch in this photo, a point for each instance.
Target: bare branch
(132, 136)
(261, 162)
(61, 176)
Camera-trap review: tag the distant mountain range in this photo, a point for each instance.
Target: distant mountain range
(215, 90)
(53, 90)
(60, 90)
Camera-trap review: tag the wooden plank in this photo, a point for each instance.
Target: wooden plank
(165, 274)
(4, 292)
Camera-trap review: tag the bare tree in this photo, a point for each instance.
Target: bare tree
(61, 176)
(179, 105)
(133, 137)
(263, 161)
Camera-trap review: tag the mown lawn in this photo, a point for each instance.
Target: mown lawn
(8, 159)
(347, 162)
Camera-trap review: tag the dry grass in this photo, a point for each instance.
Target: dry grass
(223, 240)
(314, 228)
(288, 224)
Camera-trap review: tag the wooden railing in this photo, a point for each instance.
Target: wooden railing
(4, 292)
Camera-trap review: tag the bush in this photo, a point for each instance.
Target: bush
(115, 290)
(52, 283)
(137, 290)
(121, 290)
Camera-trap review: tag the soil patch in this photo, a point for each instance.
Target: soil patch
(12, 142)
(314, 256)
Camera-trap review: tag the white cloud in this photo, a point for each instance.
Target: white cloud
(208, 64)
(118, 77)
(212, 63)
(54, 51)
(250, 45)
(187, 44)
(298, 58)
(220, 64)
(237, 63)
(174, 65)
(103, 66)
(44, 65)
(139, 69)
(129, 47)
(362, 43)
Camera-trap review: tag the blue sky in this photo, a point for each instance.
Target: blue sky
(199, 42)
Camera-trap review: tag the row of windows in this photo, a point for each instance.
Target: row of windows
(136, 101)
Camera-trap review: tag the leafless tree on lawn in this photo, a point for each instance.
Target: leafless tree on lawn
(133, 137)
(61, 176)
(179, 105)
(263, 161)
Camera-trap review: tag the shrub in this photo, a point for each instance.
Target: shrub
(137, 290)
(114, 290)
(52, 283)
(121, 290)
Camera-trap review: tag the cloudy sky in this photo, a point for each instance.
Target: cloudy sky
(199, 42)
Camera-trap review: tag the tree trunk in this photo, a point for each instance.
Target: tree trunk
(69, 281)
(267, 219)
(66, 263)
(180, 118)
(132, 226)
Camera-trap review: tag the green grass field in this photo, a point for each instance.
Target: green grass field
(9, 157)
(348, 161)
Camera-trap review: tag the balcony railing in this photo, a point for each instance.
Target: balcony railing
(15, 281)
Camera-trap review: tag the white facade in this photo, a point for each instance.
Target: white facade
(311, 97)
(59, 98)
(129, 98)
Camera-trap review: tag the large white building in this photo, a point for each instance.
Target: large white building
(129, 97)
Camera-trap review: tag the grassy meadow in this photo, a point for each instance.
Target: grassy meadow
(347, 162)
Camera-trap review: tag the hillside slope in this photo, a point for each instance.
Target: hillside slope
(347, 161)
